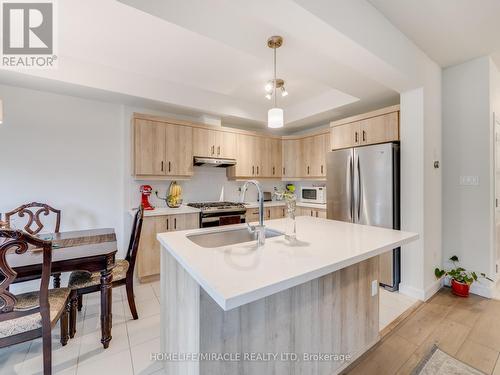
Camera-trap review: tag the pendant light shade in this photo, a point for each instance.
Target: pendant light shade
(275, 118)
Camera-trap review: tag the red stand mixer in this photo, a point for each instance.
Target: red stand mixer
(146, 192)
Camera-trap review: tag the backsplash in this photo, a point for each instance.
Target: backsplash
(206, 185)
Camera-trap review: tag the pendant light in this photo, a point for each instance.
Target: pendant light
(275, 114)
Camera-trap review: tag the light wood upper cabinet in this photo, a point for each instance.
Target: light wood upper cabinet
(379, 126)
(345, 136)
(162, 149)
(149, 148)
(214, 143)
(179, 150)
(270, 157)
(225, 144)
(380, 129)
(291, 158)
(148, 255)
(245, 162)
(313, 155)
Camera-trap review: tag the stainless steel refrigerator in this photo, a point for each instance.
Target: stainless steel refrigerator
(363, 187)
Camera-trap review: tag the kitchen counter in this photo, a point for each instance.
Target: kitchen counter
(282, 203)
(160, 211)
(317, 294)
(239, 274)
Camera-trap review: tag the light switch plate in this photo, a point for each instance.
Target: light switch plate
(374, 288)
(469, 180)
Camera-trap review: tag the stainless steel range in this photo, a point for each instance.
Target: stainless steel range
(214, 214)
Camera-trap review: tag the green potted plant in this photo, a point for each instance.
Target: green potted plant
(461, 279)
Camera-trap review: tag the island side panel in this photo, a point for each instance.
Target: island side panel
(332, 314)
(180, 320)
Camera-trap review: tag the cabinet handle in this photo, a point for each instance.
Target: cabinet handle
(283, 212)
(364, 136)
(312, 213)
(321, 169)
(162, 165)
(307, 169)
(257, 170)
(284, 171)
(167, 225)
(218, 150)
(253, 170)
(213, 150)
(175, 223)
(356, 137)
(273, 171)
(169, 166)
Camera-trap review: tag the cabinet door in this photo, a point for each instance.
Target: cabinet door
(321, 214)
(252, 215)
(183, 222)
(149, 148)
(244, 157)
(291, 151)
(225, 144)
(204, 142)
(276, 158)
(380, 129)
(278, 212)
(260, 156)
(320, 146)
(344, 136)
(148, 255)
(179, 150)
(307, 157)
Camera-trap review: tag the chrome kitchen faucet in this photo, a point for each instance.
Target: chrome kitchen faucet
(260, 229)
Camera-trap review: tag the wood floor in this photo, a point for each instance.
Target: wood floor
(466, 328)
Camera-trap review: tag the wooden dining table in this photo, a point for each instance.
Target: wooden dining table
(83, 250)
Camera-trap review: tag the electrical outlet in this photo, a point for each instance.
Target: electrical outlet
(469, 180)
(374, 288)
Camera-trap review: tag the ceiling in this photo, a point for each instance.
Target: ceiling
(448, 31)
(213, 61)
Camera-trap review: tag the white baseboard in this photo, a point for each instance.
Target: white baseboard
(420, 294)
(411, 291)
(482, 289)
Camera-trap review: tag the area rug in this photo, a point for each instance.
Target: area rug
(438, 362)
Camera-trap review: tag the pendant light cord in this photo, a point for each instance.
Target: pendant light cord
(274, 83)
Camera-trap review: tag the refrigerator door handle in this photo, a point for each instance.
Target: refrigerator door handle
(349, 186)
(359, 190)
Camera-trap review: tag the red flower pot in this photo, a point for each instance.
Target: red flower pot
(459, 289)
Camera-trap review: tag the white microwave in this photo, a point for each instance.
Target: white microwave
(313, 194)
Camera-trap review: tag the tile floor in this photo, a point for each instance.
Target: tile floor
(392, 305)
(133, 341)
(128, 353)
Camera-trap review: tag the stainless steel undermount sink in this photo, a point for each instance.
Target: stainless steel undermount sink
(228, 237)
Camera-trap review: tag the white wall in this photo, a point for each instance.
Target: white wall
(63, 151)
(468, 221)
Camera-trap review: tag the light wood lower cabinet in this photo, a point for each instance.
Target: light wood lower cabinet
(314, 212)
(148, 256)
(270, 213)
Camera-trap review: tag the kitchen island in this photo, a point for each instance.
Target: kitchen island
(308, 306)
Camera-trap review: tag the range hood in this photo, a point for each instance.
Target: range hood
(213, 162)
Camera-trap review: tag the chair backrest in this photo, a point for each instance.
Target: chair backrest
(14, 243)
(135, 236)
(34, 216)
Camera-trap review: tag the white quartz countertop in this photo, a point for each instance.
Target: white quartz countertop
(282, 203)
(160, 211)
(238, 274)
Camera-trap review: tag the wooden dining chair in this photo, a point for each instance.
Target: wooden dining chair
(30, 315)
(34, 224)
(83, 282)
